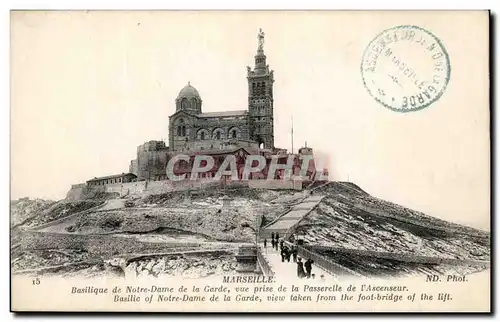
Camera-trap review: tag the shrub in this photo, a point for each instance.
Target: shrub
(112, 222)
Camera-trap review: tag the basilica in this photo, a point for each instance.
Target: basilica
(218, 134)
(191, 129)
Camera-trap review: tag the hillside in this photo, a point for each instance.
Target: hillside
(218, 219)
(197, 213)
(350, 218)
(22, 210)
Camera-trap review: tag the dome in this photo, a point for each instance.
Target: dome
(188, 100)
(189, 92)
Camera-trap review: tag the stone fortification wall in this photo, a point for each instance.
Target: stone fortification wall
(82, 191)
(275, 184)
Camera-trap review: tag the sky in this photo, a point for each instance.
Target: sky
(88, 87)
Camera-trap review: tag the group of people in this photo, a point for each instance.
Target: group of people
(307, 265)
(304, 269)
(275, 240)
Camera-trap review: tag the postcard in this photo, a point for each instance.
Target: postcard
(250, 161)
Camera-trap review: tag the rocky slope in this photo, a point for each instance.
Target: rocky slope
(22, 210)
(55, 262)
(201, 214)
(348, 217)
(34, 213)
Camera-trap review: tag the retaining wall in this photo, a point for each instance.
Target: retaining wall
(95, 244)
(81, 191)
(126, 188)
(275, 184)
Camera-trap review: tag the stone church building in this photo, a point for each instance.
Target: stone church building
(191, 129)
(218, 134)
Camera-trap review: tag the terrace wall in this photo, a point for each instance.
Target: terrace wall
(95, 244)
(81, 191)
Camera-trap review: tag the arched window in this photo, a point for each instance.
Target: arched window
(183, 130)
(233, 135)
(193, 103)
(180, 126)
(219, 134)
(202, 134)
(185, 104)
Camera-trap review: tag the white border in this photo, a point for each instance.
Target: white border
(7, 5)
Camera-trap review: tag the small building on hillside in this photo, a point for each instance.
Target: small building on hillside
(117, 178)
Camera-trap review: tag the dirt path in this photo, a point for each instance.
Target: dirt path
(60, 225)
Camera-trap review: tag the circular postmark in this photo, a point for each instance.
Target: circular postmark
(405, 68)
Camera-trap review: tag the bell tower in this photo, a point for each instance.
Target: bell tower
(260, 98)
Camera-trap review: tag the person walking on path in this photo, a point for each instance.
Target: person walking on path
(281, 243)
(288, 253)
(283, 255)
(300, 268)
(294, 253)
(265, 244)
(308, 266)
